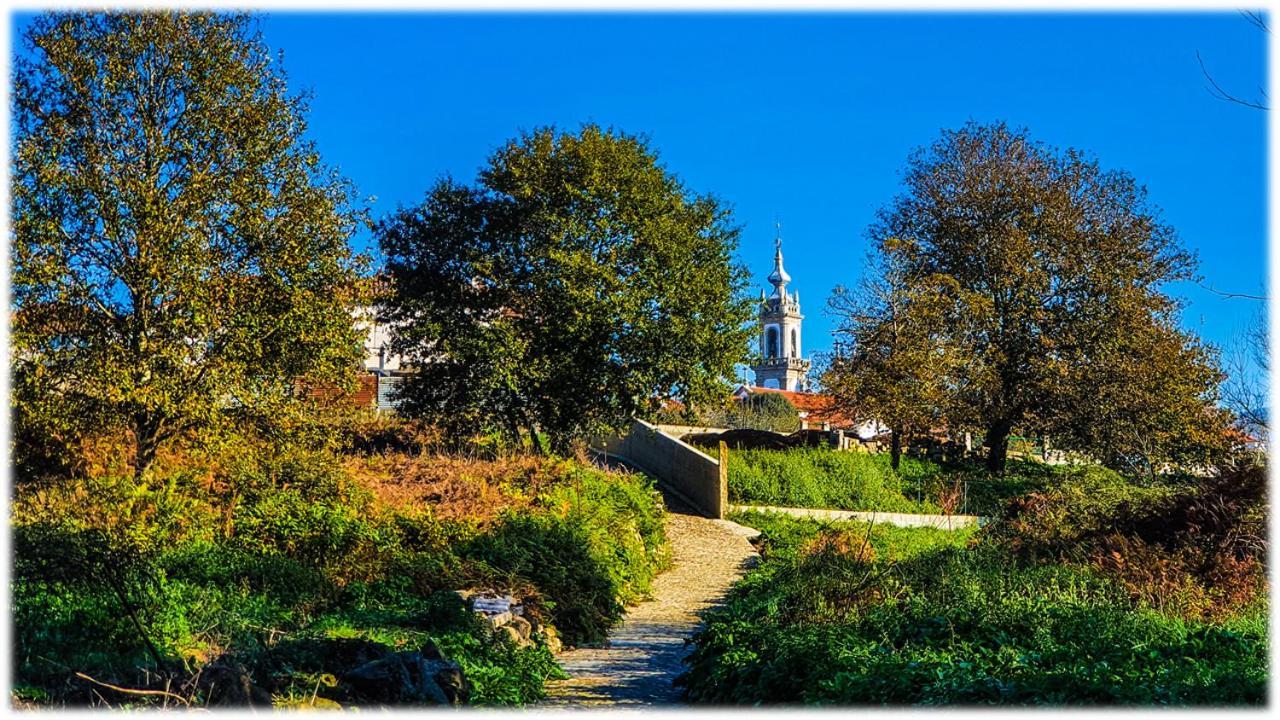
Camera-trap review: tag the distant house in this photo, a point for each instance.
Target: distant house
(1247, 439)
(382, 369)
(378, 358)
(817, 411)
(390, 368)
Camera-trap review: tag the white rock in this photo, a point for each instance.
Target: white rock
(498, 620)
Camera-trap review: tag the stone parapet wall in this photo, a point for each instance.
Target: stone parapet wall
(679, 431)
(697, 477)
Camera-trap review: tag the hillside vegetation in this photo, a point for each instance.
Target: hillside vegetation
(268, 577)
(1095, 592)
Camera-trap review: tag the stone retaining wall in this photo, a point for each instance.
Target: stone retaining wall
(699, 478)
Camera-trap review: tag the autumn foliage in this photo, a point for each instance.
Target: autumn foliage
(1195, 551)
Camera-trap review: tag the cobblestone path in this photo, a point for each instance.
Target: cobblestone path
(642, 655)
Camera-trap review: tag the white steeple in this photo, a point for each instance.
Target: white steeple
(780, 363)
(779, 277)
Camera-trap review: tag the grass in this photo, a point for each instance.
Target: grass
(840, 480)
(825, 478)
(933, 617)
(784, 535)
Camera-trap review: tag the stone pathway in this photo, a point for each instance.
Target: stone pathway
(642, 655)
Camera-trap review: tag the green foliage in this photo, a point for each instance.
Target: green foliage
(180, 253)
(1079, 503)
(1196, 549)
(989, 493)
(891, 364)
(1046, 274)
(595, 549)
(825, 478)
(782, 535)
(500, 673)
(954, 618)
(301, 508)
(763, 411)
(295, 557)
(577, 281)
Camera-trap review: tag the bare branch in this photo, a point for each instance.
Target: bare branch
(1216, 90)
(1246, 296)
(1244, 391)
(1256, 20)
(132, 691)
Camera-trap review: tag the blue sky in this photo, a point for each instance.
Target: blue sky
(808, 117)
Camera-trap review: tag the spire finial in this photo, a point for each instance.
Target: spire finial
(779, 277)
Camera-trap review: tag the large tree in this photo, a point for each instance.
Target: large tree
(892, 361)
(575, 284)
(180, 253)
(1057, 272)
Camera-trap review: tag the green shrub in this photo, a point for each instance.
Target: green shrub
(825, 478)
(990, 494)
(765, 411)
(386, 616)
(949, 620)
(1190, 548)
(309, 559)
(593, 547)
(1080, 501)
(58, 628)
(782, 535)
(280, 578)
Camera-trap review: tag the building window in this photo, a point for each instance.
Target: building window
(771, 343)
(794, 342)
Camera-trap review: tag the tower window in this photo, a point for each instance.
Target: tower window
(771, 342)
(794, 342)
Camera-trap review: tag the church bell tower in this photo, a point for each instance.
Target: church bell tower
(781, 364)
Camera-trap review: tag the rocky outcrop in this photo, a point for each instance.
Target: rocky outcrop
(421, 677)
(225, 684)
(367, 673)
(505, 614)
(353, 672)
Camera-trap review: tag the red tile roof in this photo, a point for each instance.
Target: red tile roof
(817, 407)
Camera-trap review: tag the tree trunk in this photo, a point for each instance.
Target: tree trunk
(146, 434)
(130, 611)
(895, 448)
(536, 441)
(997, 442)
(513, 430)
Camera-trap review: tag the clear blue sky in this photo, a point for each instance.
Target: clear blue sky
(809, 117)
